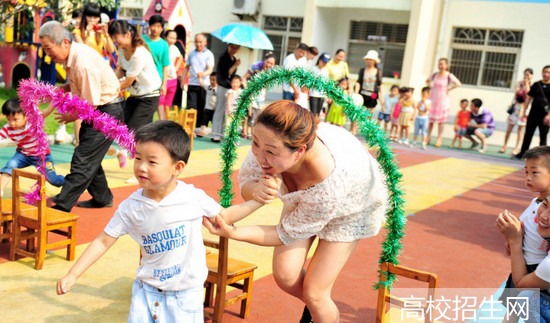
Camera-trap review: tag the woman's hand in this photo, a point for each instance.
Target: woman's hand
(267, 189)
(218, 226)
(510, 227)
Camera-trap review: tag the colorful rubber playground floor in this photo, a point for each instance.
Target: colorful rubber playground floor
(453, 198)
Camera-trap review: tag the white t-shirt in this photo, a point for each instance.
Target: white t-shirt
(291, 62)
(141, 66)
(543, 270)
(174, 53)
(235, 95)
(322, 73)
(169, 235)
(535, 248)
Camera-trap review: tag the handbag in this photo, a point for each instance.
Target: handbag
(511, 109)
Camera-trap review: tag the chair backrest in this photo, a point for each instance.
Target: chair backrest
(18, 193)
(384, 295)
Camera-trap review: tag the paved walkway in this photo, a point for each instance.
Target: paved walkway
(452, 198)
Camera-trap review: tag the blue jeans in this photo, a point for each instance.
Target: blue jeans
(20, 160)
(152, 305)
(539, 306)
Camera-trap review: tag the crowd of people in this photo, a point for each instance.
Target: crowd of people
(294, 157)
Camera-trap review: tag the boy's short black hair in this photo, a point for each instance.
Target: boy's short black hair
(477, 103)
(11, 107)
(395, 86)
(464, 100)
(156, 19)
(303, 46)
(426, 89)
(168, 134)
(542, 152)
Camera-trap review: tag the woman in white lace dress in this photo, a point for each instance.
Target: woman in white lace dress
(331, 189)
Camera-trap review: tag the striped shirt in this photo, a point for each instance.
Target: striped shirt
(26, 143)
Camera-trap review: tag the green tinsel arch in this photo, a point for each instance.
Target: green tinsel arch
(375, 137)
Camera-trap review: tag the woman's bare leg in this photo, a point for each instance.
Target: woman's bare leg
(325, 266)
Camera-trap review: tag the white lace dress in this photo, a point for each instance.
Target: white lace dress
(348, 205)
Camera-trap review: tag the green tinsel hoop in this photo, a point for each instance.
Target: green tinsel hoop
(374, 136)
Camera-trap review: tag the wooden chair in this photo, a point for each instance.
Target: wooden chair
(35, 224)
(6, 220)
(384, 295)
(188, 120)
(222, 272)
(172, 113)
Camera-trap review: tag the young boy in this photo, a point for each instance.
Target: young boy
(421, 121)
(461, 123)
(161, 54)
(164, 216)
(210, 104)
(537, 180)
(18, 130)
(390, 100)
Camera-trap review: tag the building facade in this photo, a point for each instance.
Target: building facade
(488, 42)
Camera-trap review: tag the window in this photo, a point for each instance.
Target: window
(285, 34)
(485, 57)
(387, 39)
(131, 13)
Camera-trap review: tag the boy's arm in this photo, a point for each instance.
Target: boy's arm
(261, 235)
(95, 250)
(238, 212)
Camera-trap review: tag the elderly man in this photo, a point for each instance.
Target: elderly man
(482, 125)
(91, 78)
(199, 65)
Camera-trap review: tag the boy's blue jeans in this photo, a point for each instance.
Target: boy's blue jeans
(20, 160)
(150, 305)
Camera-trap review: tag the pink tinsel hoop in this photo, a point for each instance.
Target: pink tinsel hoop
(32, 92)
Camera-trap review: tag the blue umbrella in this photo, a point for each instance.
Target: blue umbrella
(243, 35)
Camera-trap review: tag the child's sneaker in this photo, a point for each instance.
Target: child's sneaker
(399, 141)
(424, 145)
(406, 142)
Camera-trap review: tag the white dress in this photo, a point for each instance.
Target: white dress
(348, 205)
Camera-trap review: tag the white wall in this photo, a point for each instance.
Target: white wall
(529, 17)
(373, 4)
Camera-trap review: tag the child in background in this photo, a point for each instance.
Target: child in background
(18, 130)
(172, 271)
(336, 114)
(421, 117)
(406, 115)
(176, 59)
(303, 98)
(388, 104)
(394, 130)
(232, 96)
(537, 180)
(461, 123)
(210, 104)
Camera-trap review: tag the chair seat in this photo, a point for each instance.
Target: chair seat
(7, 206)
(53, 216)
(235, 267)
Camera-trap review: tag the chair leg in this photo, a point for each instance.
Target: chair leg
(209, 295)
(245, 303)
(16, 240)
(219, 306)
(40, 253)
(71, 247)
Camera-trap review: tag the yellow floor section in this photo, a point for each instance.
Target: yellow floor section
(103, 293)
